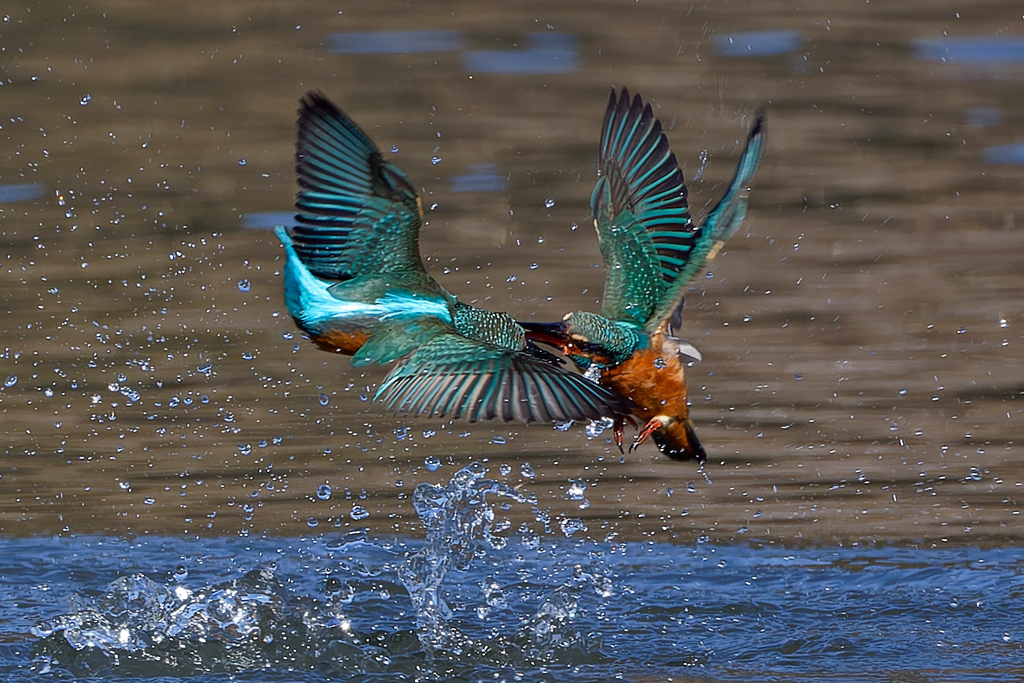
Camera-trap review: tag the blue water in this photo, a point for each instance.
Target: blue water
(334, 607)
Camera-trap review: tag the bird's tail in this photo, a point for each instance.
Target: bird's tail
(296, 275)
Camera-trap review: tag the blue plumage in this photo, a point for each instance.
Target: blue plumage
(355, 282)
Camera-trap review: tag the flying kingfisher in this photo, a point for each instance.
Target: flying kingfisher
(652, 250)
(355, 283)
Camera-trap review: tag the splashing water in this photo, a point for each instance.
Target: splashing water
(139, 626)
(459, 522)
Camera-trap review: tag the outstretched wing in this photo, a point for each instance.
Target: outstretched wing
(357, 214)
(456, 377)
(640, 211)
(722, 223)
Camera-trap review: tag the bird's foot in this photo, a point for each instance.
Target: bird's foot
(649, 428)
(617, 432)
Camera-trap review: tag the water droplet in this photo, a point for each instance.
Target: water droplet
(505, 469)
(180, 573)
(148, 501)
(245, 448)
(324, 400)
(975, 474)
(312, 522)
(577, 489)
(394, 149)
(498, 439)
(1003, 322)
(435, 160)
(433, 207)
(549, 203)
(534, 266)
(432, 463)
(427, 433)
(962, 330)
(124, 484)
(526, 471)
(798, 376)
(323, 492)
(597, 427)
(243, 285)
(902, 392)
(571, 526)
(691, 487)
(112, 386)
(85, 99)
(563, 426)
(11, 380)
(574, 226)
(660, 363)
(359, 512)
(242, 162)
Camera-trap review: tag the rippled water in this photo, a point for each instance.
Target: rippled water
(477, 600)
(860, 393)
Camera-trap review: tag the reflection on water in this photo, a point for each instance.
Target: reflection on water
(971, 49)
(479, 178)
(267, 220)
(758, 43)
(393, 42)
(1005, 154)
(545, 53)
(20, 192)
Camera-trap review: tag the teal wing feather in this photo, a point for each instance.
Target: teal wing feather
(455, 377)
(640, 211)
(357, 213)
(722, 223)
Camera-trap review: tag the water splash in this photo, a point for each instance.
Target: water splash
(459, 523)
(413, 617)
(137, 623)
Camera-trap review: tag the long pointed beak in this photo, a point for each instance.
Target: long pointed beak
(547, 333)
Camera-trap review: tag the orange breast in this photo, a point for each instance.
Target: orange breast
(341, 342)
(658, 387)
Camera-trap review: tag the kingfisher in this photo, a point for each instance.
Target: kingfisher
(652, 250)
(355, 283)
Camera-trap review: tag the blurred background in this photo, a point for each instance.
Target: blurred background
(861, 335)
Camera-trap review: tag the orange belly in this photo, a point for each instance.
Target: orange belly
(341, 342)
(656, 390)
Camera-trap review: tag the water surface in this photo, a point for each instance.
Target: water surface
(862, 373)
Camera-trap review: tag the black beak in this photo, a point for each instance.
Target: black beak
(551, 334)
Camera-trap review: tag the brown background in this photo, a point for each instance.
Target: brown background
(862, 373)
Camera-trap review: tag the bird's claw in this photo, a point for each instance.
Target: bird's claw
(645, 433)
(617, 432)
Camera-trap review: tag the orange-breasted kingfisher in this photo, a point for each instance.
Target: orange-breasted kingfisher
(355, 283)
(652, 250)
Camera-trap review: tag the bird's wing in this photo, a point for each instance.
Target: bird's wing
(640, 211)
(357, 214)
(456, 377)
(722, 223)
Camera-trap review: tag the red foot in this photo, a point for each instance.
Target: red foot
(617, 431)
(648, 429)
